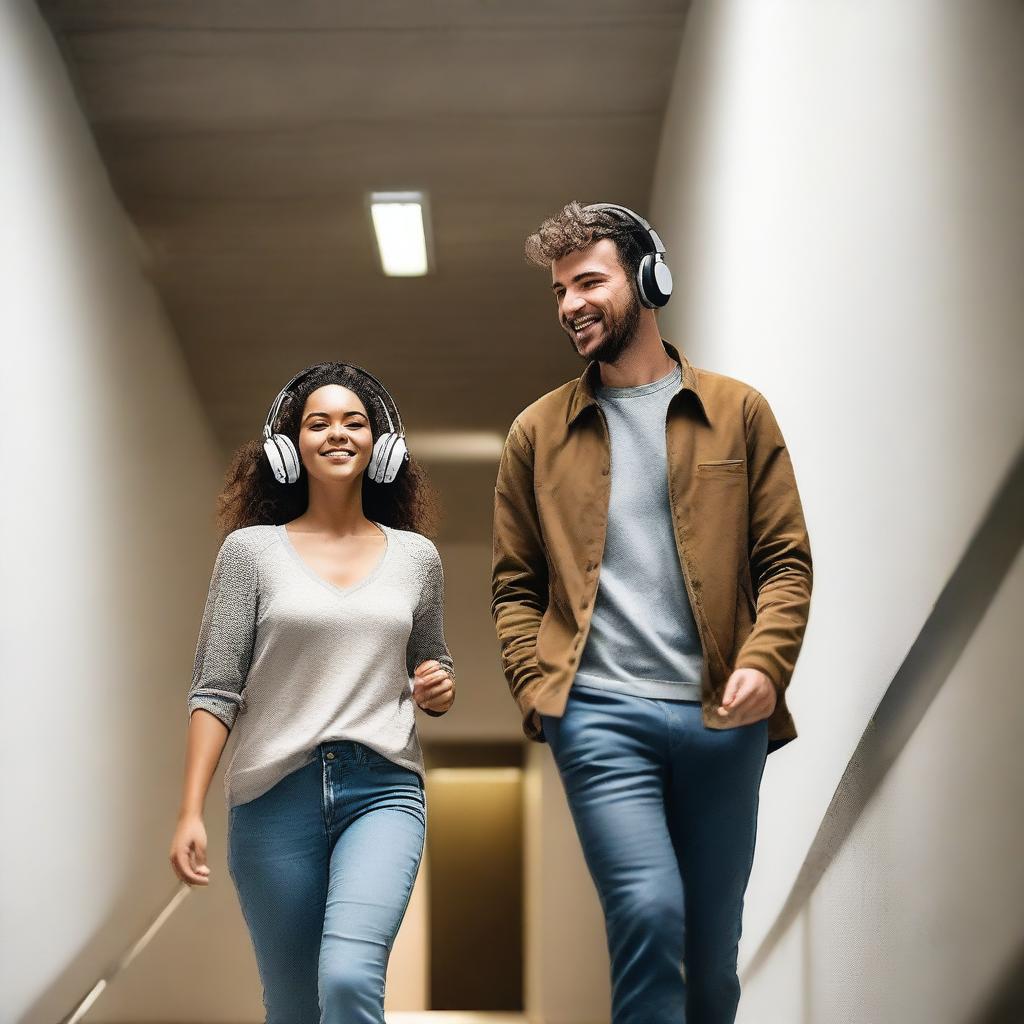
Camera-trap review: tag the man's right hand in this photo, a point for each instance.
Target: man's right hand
(749, 697)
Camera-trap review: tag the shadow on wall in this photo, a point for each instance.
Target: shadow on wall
(1006, 1005)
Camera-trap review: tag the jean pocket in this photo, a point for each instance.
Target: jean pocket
(377, 762)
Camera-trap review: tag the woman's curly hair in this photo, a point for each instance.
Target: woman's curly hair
(252, 495)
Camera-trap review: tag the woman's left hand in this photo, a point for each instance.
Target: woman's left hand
(433, 689)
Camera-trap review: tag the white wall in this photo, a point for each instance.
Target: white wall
(839, 189)
(917, 917)
(110, 471)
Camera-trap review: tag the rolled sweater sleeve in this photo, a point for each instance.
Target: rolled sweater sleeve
(226, 634)
(426, 641)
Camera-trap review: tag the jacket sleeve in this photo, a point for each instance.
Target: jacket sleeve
(780, 552)
(519, 574)
(226, 634)
(426, 641)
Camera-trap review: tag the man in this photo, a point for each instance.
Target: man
(651, 585)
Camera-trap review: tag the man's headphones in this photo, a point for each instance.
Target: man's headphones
(389, 450)
(653, 278)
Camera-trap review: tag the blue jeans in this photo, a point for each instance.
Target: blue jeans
(324, 864)
(666, 812)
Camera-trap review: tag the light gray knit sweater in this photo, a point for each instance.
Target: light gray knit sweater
(287, 660)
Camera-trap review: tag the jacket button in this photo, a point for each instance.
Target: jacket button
(584, 603)
(329, 756)
(605, 471)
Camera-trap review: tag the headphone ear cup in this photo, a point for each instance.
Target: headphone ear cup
(283, 459)
(398, 457)
(291, 458)
(270, 450)
(389, 453)
(654, 281)
(662, 279)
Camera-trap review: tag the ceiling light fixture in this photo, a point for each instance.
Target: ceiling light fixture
(400, 221)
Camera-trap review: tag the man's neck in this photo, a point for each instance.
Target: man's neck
(644, 361)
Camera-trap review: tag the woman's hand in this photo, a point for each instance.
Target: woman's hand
(188, 851)
(433, 689)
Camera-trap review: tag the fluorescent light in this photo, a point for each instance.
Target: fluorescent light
(400, 224)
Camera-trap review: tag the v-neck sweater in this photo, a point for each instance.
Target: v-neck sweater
(287, 660)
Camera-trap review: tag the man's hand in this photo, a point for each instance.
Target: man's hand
(749, 697)
(433, 689)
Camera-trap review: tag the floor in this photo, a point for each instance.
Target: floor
(455, 1017)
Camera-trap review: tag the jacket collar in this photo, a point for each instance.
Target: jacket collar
(585, 393)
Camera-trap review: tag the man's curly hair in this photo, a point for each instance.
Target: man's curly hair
(574, 228)
(252, 496)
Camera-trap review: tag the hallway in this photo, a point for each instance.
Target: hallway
(191, 201)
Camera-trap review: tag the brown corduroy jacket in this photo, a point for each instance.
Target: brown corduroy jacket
(739, 529)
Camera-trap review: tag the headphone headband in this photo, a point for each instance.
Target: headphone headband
(657, 245)
(381, 391)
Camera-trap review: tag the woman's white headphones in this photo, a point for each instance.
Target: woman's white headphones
(653, 278)
(389, 450)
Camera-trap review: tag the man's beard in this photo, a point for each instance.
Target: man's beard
(619, 334)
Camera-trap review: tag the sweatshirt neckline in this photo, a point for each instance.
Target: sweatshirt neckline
(674, 376)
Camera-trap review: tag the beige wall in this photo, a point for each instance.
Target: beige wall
(566, 954)
(408, 980)
(475, 836)
(839, 189)
(484, 709)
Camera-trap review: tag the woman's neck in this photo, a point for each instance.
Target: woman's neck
(335, 510)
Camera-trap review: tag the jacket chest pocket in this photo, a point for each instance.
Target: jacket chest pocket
(722, 468)
(718, 516)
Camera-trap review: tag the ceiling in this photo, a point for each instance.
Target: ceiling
(243, 137)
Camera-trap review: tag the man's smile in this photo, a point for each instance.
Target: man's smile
(581, 324)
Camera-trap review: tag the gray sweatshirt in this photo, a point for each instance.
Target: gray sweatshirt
(287, 660)
(643, 639)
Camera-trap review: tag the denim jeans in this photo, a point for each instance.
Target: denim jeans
(666, 812)
(324, 864)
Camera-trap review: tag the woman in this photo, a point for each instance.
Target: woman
(325, 603)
